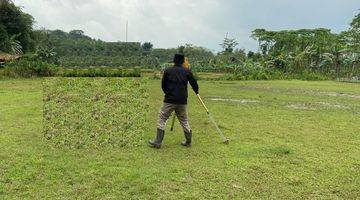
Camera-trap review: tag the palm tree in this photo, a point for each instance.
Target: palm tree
(15, 45)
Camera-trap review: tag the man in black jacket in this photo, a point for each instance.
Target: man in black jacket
(174, 85)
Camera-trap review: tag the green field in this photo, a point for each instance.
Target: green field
(288, 140)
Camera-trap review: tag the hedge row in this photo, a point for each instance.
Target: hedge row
(33, 68)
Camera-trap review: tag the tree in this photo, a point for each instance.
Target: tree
(352, 36)
(16, 22)
(352, 42)
(355, 33)
(181, 49)
(78, 34)
(147, 47)
(46, 54)
(254, 56)
(15, 45)
(229, 45)
(4, 39)
(300, 50)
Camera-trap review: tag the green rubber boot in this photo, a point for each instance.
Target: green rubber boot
(187, 142)
(159, 138)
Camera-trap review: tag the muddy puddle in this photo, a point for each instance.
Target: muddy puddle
(243, 101)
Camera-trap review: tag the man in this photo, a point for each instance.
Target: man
(174, 85)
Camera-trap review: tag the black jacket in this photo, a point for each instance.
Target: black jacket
(174, 84)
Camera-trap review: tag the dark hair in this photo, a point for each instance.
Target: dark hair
(179, 59)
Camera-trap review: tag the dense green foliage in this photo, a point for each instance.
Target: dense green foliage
(75, 43)
(316, 50)
(76, 49)
(311, 54)
(16, 32)
(28, 68)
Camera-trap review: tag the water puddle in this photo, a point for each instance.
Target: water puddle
(235, 100)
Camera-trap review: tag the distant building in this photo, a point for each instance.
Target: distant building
(5, 57)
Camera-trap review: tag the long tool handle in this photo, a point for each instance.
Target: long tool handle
(203, 104)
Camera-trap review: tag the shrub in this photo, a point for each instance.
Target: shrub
(252, 71)
(29, 68)
(275, 75)
(2, 74)
(99, 72)
(310, 76)
(255, 71)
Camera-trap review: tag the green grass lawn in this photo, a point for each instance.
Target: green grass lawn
(288, 140)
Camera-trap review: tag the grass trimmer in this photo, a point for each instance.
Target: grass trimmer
(224, 139)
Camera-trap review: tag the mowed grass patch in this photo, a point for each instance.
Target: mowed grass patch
(94, 112)
(274, 151)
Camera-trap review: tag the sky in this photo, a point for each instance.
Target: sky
(171, 23)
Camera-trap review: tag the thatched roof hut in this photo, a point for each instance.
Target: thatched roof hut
(4, 57)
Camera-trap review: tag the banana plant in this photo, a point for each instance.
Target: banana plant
(336, 55)
(45, 54)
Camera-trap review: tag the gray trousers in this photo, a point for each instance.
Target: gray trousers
(181, 113)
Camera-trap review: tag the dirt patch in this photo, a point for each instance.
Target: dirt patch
(299, 106)
(335, 94)
(298, 91)
(329, 105)
(243, 101)
(316, 106)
